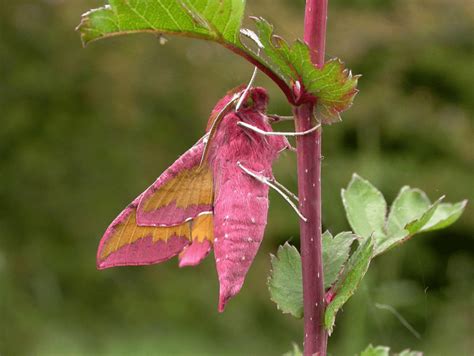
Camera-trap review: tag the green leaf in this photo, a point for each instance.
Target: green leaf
(333, 85)
(445, 215)
(335, 254)
(410, 211)
(213, 20)
(295, 352)
(285, 281)
(376, 351)
(220, 21)
(407, 206)
(408, 352)
(417, 224)
(347, 284)
(385, 351)
(365, 208)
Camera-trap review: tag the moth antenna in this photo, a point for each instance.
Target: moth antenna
(215, 124)
(245, 92)
(204, 139)
(272, 133)
(279, 118)
(262, 179)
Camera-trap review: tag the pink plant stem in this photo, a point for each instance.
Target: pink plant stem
(309, 190)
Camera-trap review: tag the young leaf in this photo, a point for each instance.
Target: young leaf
(365, 208)
(445, 215)
(410, 213)
(285, 281)
(376, 351)
(408, 352)
(347, 284)
(416, 225)
(333, 85)
(295, 352)
(212, 20)
(409, 203)
(335, 254)
(385, 351)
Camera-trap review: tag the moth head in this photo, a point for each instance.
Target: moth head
(223, 104)
(257, 99)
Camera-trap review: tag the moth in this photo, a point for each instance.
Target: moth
(215, 196)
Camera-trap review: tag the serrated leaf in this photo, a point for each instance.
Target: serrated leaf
(335, 254)
(295, 352)
(207, 19)
(345, 287)
(365, 208)
(285, 282)
(445, 215)
(220, 21)
(376, 351)
(333, 85)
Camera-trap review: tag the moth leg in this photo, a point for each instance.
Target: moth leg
(262, 179)
(282, 187)
(279, 118)
(267, 133)
(290, 147)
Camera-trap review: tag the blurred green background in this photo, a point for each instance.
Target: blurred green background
(84, 131)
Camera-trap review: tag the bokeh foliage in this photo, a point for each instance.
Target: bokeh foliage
(83, 131)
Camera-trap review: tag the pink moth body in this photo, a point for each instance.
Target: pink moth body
(240, 201)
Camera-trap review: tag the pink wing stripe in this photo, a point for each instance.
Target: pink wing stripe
(145, 252)
(194, 254)
(111, 229)
(171, 215)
